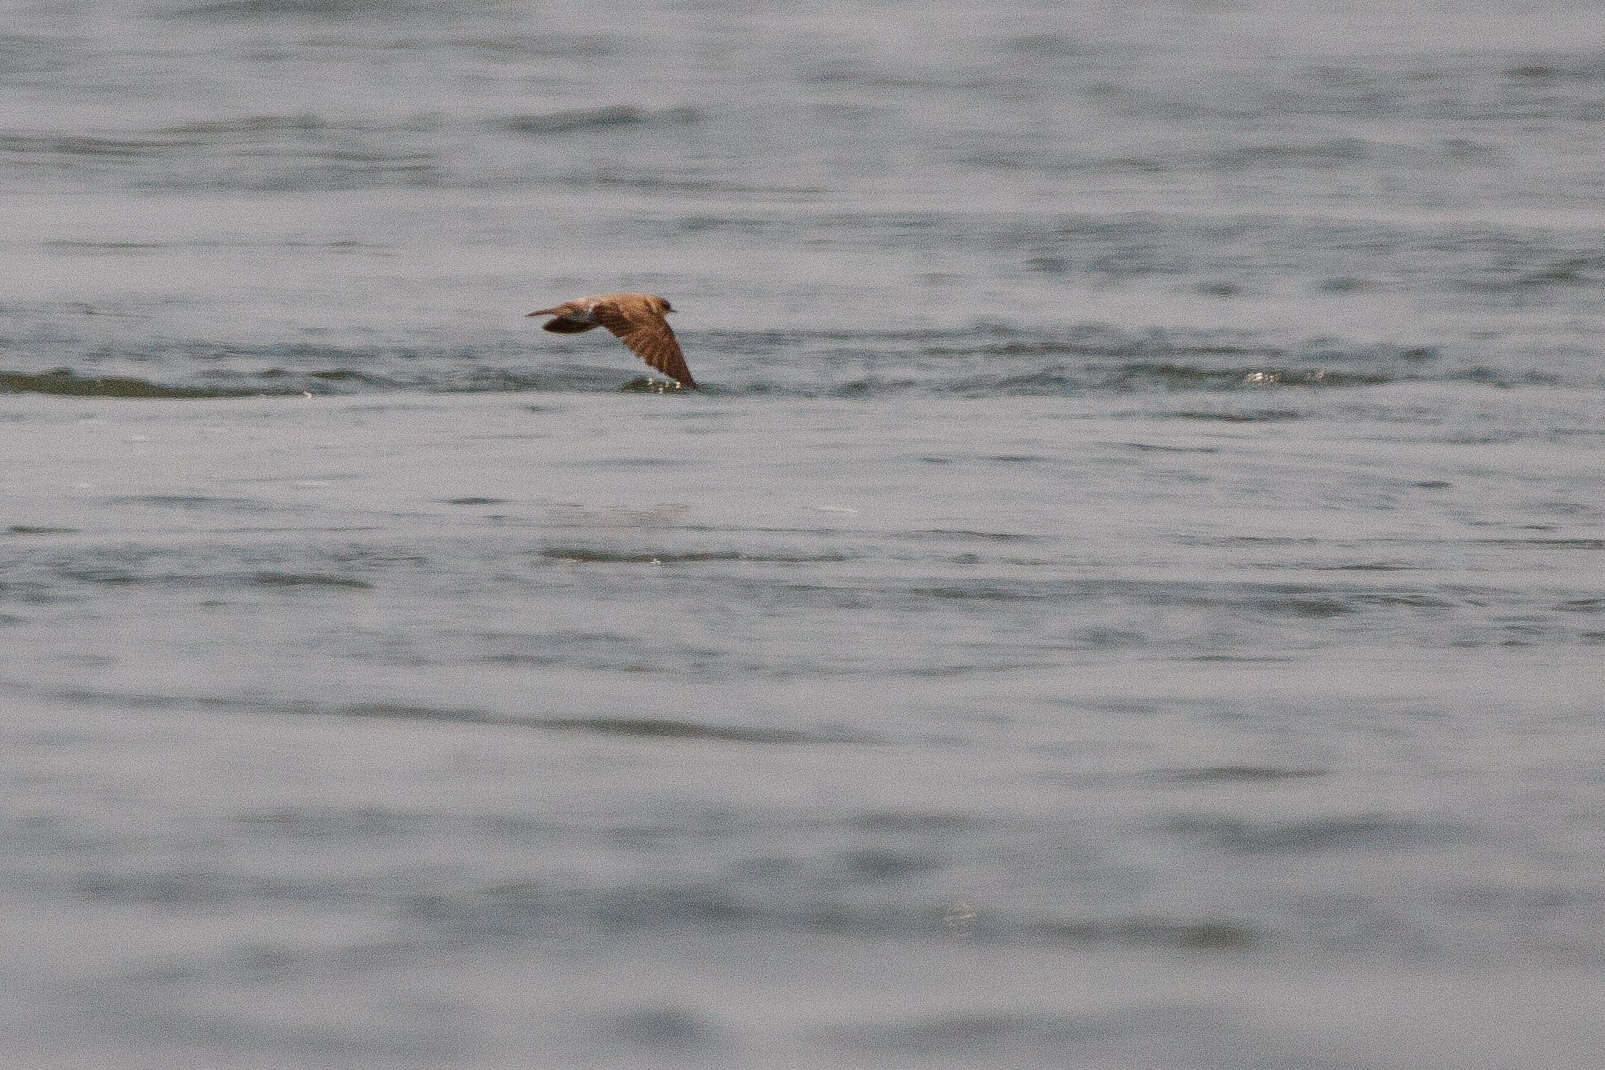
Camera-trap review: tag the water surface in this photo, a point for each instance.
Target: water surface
(1130, 593)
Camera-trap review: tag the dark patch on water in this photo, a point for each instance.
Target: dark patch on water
(1149, 447)
(593, 119)
(871, 386)
(597, 555)
(1587, 67)
(39, 529)
(1237, 416)
(1319, 606)
(476, 501)
(999, 1037)
(400, 711)
(514, 47)
(651, 728)
(626, 727)
(1344, 284)
(330, 10)
(1573, 271)
(358, 823)
(982, 591)
(191, 501)
(879, 864)
(1319, 834)
(1203, 934)
(99, 248)
(982, 360)
(1550, 544)
(67, 383)
(74, 145)
(1331, 153)
(1366, 566)
(254, 126)
(592, 555)
(976, 1035)
(1237, 774)
(665, 1031)
(175, 888)
(309, 579)
(966, 533)
(912, 822)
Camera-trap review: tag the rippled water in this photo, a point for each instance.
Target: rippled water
(1130, 593)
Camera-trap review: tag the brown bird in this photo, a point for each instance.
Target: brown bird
(636, 319)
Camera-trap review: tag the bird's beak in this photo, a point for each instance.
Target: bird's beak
(527, 315)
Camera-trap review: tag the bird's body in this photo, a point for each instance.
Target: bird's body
(635, 319)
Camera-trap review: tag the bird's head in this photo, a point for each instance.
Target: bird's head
(663, 307)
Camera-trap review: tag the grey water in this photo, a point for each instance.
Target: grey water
(1130, 593)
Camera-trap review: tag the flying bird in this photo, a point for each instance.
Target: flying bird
(637, 321)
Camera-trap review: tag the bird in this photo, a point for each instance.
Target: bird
(635, 319)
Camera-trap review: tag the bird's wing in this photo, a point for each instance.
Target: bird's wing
(567, 308)
(648, 336)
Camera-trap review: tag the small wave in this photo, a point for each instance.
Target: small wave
(968, 534)
(547, 43)
(977, 361)
(100, 248)
(586, 555)
(1332, 153)
(665, 1030)
(1035, 383)
(190, 501)
(35, 146)
(309, 579)
(982, 591)
(1236, 416)
(1550, 543)
(1140, 374)
(1320, 834)
(39, 529)
(1520, 267)
(654, 728)
(247, 10)
(604, 118)
(902, 823)
(1572, 271)
(995, 1037)
(298, 123)
(1586, 67)
(1151, 447)
(1237, 774)
(632, 727)
(1200, 934)
(65, 383)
